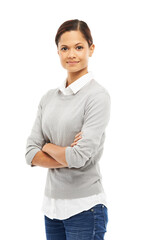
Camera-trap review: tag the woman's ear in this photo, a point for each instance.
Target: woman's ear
(92, 47)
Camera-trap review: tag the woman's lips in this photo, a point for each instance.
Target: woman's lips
(72, 63)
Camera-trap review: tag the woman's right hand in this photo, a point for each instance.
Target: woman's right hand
(77, 137)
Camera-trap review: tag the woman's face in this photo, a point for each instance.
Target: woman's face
(74, 51)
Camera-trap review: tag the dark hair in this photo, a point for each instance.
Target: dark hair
(74, 24)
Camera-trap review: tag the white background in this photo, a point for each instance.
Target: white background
(123, 62)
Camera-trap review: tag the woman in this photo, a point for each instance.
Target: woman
(68, 137)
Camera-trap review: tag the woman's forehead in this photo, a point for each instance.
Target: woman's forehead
(71, 38)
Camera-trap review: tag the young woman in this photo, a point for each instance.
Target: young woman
(68, 138)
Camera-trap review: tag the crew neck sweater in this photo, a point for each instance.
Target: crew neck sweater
(65, 208)
(59, 118)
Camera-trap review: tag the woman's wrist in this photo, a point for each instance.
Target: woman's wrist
(47, 148)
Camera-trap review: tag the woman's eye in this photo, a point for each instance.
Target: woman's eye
(64, 48)
(80, 47)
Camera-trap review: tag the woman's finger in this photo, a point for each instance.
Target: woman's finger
(77, 138)
(73, 144)
(78, 134)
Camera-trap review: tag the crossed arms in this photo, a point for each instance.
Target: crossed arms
(53, 156)
(95, 120)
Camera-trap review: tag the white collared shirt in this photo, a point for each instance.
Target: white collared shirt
(76, 85)
(64, 208)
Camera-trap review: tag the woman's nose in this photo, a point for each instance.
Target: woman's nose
(71, 53)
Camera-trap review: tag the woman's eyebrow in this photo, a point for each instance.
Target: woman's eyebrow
(75, 44)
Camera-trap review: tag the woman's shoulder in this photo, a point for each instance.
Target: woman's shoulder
(98, 89)
(47, 95)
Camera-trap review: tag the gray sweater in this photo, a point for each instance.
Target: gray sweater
(59, 118)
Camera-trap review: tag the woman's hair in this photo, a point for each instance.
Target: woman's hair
(74, 24)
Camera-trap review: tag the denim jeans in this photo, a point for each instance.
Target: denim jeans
(87, 225)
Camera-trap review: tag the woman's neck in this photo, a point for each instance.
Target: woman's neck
(73, 76)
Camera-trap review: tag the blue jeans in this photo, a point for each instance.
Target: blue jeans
(87, 225)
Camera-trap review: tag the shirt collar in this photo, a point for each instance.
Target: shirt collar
(76, 85)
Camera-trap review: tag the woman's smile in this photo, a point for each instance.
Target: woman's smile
(72, 62)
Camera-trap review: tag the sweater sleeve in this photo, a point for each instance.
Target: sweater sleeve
(96, 118)
(36, 139)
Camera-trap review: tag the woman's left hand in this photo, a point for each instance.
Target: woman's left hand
(77, 137)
